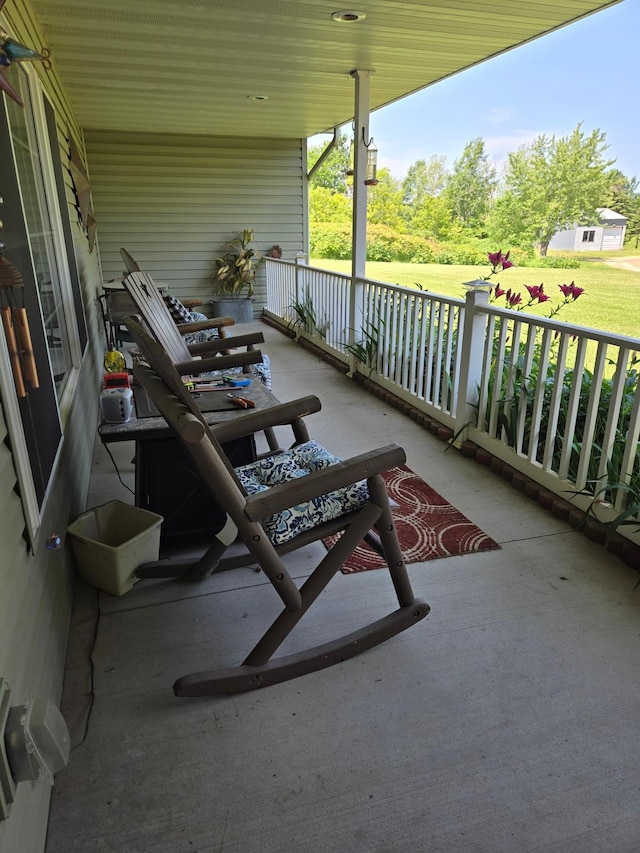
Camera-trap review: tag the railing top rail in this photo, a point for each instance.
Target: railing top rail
(302, 265)
(561, 326)
(402, 288)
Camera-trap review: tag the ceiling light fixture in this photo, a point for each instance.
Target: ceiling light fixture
(348, 16)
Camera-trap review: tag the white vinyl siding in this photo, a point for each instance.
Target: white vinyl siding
(174, 201)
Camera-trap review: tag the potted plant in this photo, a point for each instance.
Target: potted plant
(234, 278)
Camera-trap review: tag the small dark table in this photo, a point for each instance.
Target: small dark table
(166, 479)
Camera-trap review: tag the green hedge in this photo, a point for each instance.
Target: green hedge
(333, 240)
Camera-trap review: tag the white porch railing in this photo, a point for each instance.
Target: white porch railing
(558, 402)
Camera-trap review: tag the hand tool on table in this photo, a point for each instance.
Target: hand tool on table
(241, 402)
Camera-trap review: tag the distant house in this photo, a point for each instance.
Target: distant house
(606, 235)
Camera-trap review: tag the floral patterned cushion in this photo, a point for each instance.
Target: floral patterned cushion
(260, 371)
(289, 465)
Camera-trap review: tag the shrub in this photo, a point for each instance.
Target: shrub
(557, 263)
(331, 240)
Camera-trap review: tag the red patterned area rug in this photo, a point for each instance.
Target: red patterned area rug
(428, 526)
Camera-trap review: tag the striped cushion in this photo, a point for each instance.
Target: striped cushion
(178, 312)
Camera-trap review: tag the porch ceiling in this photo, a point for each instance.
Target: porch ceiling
(193, 65)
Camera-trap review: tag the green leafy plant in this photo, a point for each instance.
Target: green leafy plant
(304, 315)
(604, 494)
(236, 270)
(367, 349)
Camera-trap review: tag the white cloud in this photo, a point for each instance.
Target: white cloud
(499, 146)
(500, 115)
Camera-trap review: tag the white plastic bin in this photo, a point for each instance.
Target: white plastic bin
(111, 541)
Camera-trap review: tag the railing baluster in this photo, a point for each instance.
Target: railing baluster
(521, 392)
(445, 401)
(573, 405)
(591, 416)
(485, 378)
(538, 393)
(554, 402)
(615, 401)
(630, 455)
(421, 351)
(499, 390)
(456, 324)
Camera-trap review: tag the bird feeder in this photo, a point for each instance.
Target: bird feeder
(372, 165)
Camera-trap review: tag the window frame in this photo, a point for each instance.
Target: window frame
(34, 506)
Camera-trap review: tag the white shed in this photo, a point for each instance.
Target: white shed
(608, 234)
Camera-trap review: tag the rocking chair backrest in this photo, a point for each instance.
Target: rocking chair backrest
(153, 353)
(142, 289)
(129, 262)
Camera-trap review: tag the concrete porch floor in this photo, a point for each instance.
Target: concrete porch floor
(508, 720)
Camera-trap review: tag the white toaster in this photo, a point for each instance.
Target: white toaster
(116, 404)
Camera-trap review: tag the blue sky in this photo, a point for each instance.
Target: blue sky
(586, 72)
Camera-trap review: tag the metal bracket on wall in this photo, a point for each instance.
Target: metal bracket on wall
(7, 785)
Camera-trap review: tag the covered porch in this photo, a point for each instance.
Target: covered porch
(507, 720)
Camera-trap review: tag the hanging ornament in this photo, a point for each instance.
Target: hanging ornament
(17, 52)
(114, 361)
(13, 51)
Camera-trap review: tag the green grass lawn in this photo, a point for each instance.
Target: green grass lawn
(611, 300)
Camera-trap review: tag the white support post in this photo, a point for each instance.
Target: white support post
(359, 228)
(473, 333)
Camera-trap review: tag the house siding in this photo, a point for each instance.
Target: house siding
(36, 586)
(173, 202)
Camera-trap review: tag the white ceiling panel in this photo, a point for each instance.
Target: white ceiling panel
(194, 66)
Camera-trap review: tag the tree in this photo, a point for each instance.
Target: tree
(384, 203)
(332, 173)
(551, 185)
(328, 206)
(470, 186)
(621, 193)
(633, 219)
(433, 219)
(424, 179)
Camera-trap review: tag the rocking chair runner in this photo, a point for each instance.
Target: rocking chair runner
(276, 506)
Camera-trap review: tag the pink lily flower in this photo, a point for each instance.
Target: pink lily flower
(571, 291)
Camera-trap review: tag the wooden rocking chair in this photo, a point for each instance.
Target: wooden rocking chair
(211, 355)
(276, 505)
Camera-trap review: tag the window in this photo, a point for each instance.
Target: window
(588, 236)
(33, 235)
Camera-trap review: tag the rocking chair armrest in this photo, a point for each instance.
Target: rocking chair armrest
(218, 362)
(225, 344)
(284, 414)
(285, 495)
(202, 325)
